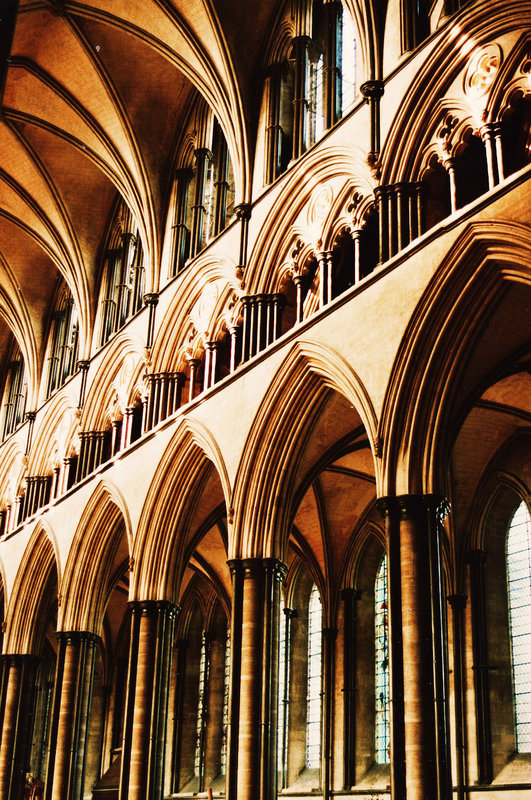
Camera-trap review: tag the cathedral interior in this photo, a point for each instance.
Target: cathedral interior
(265, 421)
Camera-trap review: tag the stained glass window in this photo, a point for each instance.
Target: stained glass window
(519, 590)
(226, 679)
(313, 723)
(381, 678)
(200, 707)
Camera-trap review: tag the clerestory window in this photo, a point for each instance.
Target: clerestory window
(123, 278)
(14, 392)
(64, 343)
(204, 199)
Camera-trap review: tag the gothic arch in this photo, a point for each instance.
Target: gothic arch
(103, 531)
(49, 439)
(432, 82)
(431, 386)
(190, 461)
(170, 340)
(276, 441)
(332, 165)
(508, 480)
(36, 579)
(115, 378)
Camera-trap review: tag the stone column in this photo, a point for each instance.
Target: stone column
(449, 165)
(350, 599)
(16, 718)
(497, 131)
(458, 604)
(329, 643)
(324, 259)
(415, 562)
(214, 707)
(298, 281)
(476, 560)
(389, 507)
(486, 132)
(71, 712)
(151, 300)
(252, 768)
(332, 72)
(301, 46)
(146, 710)
(373, 91)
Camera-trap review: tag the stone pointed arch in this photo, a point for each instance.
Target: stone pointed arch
(190, 460)
(98, 539)
(274, 445)
(119, 372)
(26, 608)
(321, 180)
(49, 445)
(431, 387)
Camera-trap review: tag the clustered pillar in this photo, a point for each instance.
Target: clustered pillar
(419, 674)
(144, 742)
(252, 747)
(17, 687)
(72, 701)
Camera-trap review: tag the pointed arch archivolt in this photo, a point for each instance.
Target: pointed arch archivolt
(33, 591)
(204, 275)
(119, 373)
(318, 189)
(190, 464)
(443, 361)
(281, 428)
(54, 431)
(102, 538)
(478, 25)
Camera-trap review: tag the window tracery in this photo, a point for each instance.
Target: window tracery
(204, 191)
(123, 278)
(313, 86)
(381, 679)
(15, 391)
(63, 342)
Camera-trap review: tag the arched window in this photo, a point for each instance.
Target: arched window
(313, 707)
(14, 391)
(332, 68)
(314, 88)
(226, 686)
(519, 593)
(204, 197)
(201, 708)
(64, 342)
(381, 677)
(124, 273)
